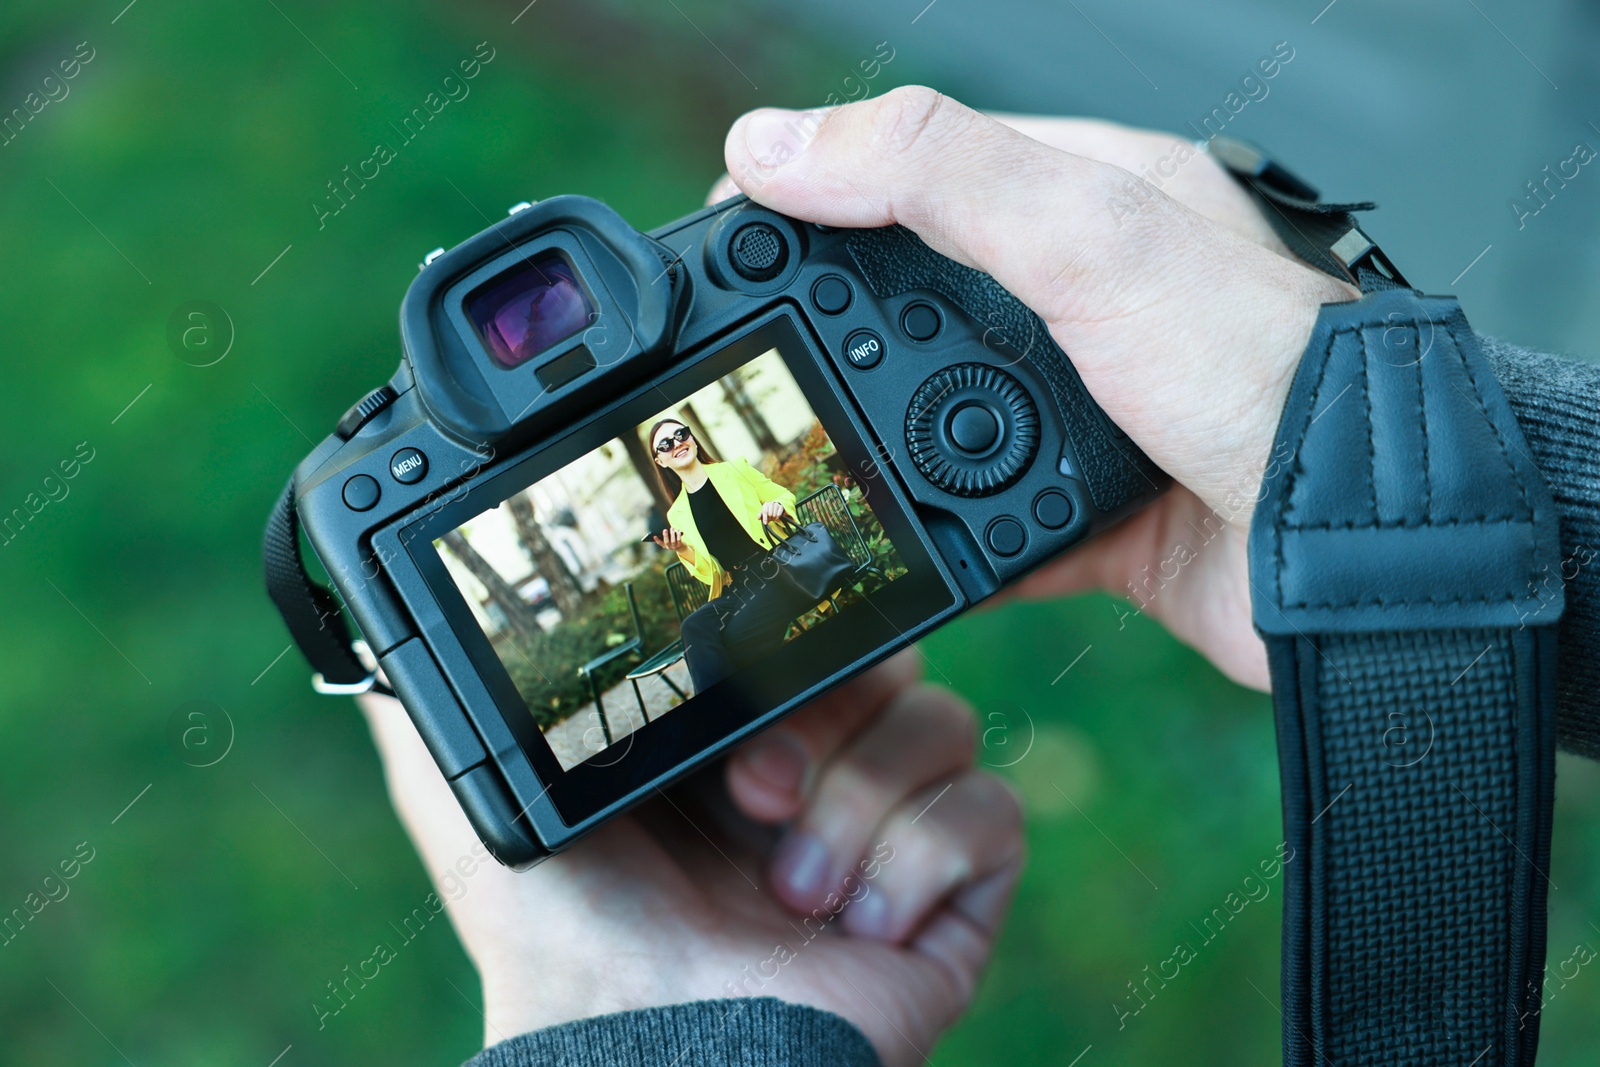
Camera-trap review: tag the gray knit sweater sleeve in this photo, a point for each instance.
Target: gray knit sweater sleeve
(1557, 404)
(755, 1032)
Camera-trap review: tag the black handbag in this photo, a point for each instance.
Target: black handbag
(808, 557)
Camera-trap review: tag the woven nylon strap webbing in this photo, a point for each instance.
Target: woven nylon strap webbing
(312, 613)
(1404, 573)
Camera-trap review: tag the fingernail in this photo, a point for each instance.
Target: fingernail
(986, 901)
(869, 916)
(775, 135)
(801, 866)
(779, 761)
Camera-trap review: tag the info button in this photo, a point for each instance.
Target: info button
(408, 466)
(864, 349)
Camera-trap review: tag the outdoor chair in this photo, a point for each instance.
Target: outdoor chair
(688, 593)
(633, 646)
(658, 663)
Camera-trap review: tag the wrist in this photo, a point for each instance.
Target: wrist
(518, 999)
(1290, 306)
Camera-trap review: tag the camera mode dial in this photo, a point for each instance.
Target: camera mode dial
(972, 429)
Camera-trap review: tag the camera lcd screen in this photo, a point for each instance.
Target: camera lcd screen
(678, 562)
(538, 305)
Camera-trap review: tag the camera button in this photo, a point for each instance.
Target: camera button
(361, 493)
(759, 252)
(408, 466)
(864, 349)
(1006, 536)
(974, 429)
(831, 294)
(921, 322)
(1053, 509)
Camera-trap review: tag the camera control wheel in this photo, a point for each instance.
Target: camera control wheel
(972, 429)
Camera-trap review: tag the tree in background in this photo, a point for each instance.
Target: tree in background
(519, 615)
(738, 396)
(547, 561)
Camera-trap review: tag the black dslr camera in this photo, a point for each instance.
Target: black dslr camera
(572, 528)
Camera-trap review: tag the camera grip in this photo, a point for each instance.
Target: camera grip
(893, 260)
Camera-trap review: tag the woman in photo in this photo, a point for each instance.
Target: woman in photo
(715, 525)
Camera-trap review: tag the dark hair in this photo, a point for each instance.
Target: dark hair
(670, 482)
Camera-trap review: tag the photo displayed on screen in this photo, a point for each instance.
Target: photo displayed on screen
(643, 573)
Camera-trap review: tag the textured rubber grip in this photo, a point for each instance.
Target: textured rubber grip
(893, 260)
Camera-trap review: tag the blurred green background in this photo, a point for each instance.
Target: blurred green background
(181, 166)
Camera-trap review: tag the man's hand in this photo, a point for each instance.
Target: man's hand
(878, 899)
(1186, 318)
(1181, 312)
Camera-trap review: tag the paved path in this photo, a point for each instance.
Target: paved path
(579, 737)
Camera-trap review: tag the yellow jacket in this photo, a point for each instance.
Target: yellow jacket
(743, 489)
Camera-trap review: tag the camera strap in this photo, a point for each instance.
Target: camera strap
(1404, 572)
(311, 611)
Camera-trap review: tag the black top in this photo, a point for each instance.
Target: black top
(720, 532)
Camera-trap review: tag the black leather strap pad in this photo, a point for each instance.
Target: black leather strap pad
(1401, 571)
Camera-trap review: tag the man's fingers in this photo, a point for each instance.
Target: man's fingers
(961, 934)
(770, 776)
(1171, 163)
(1156, 304)
(1085, 244)
(925, 734)
(1109, 142)
(971, 187)
(944, 837)
(723, 188)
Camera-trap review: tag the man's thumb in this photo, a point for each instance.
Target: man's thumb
(975, 190)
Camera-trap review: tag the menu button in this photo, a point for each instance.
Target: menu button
(408, 466)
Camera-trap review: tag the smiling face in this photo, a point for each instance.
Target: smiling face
(678, 453)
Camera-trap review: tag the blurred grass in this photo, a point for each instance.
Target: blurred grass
(183, 161)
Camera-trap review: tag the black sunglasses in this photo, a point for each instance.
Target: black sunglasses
(673, 440)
